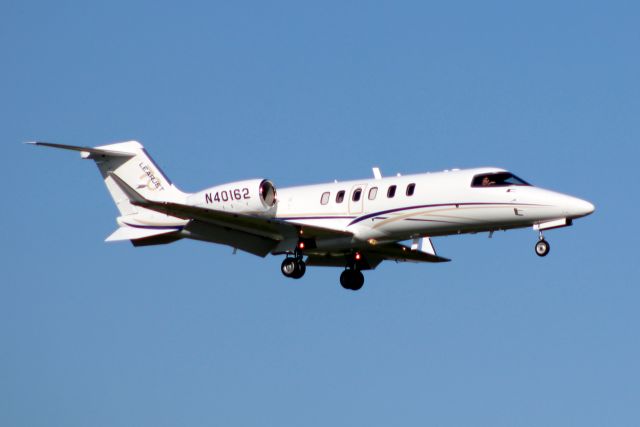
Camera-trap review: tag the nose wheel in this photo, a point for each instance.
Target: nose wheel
(542, 247)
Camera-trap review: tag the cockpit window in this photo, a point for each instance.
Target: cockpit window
(499, 179)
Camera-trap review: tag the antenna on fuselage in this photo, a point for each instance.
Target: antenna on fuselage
(376, 172)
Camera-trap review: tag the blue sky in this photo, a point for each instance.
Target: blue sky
(188, 334)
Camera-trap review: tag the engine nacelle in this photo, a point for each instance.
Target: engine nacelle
(253, 196)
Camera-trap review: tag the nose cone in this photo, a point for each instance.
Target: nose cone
(576, 208)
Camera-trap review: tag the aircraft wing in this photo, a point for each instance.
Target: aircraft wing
(267, 228)
(400, 253)
(374, 255)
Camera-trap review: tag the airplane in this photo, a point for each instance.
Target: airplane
(354, 225)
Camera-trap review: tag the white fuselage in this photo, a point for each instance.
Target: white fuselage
(355, 225)
(442, 203)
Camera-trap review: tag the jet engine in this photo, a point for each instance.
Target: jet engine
(253, 197)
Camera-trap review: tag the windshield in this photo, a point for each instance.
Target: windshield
(498, 179)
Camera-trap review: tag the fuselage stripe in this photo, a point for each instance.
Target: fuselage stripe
(155, 227)
(290, 218)
(388, 211)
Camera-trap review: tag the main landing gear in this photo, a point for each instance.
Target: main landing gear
(294, 267)
(352, 279)
(542, 246)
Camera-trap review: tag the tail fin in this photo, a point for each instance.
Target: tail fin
(130, 161)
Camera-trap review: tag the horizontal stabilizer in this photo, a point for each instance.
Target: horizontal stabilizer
(133, 233)
(91, 150)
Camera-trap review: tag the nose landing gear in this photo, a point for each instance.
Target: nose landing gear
(542, 246)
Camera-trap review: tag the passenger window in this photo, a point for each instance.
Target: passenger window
(391, 192)
(356, 195)
(325, 198)
(373, 193)
(411, 188)
(340, 196)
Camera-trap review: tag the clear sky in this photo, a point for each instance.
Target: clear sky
(97, 334)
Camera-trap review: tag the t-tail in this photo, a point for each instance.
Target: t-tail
(130, 162)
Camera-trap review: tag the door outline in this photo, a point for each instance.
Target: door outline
(357, 207)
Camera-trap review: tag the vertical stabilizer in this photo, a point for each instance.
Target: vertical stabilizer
(139, 171)
(130, 161)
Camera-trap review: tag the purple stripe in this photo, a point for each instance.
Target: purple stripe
(316, 217)
(431, 220)
(155, 227)
(375, 214)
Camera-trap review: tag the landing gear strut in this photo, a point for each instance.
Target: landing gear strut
(542, 246)
(352, 278)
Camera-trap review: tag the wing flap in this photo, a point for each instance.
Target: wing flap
(400, 253)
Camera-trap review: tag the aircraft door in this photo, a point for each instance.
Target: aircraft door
(356, 199)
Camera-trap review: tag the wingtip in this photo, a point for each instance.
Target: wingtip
(44, 144)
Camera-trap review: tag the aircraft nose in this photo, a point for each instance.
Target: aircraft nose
(576, 208)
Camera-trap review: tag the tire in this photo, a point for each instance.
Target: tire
(300, 269)
(352, 280)
(358, 281)
(542, 248)
(345, 279)
(288, 267)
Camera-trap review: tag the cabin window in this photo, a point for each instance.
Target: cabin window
(499, 179)
(411, 188)
(373, 193)
(325, 198)
(391, 192)
(340, 196)
(356, 195)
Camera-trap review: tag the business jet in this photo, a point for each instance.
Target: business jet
(354, 225)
